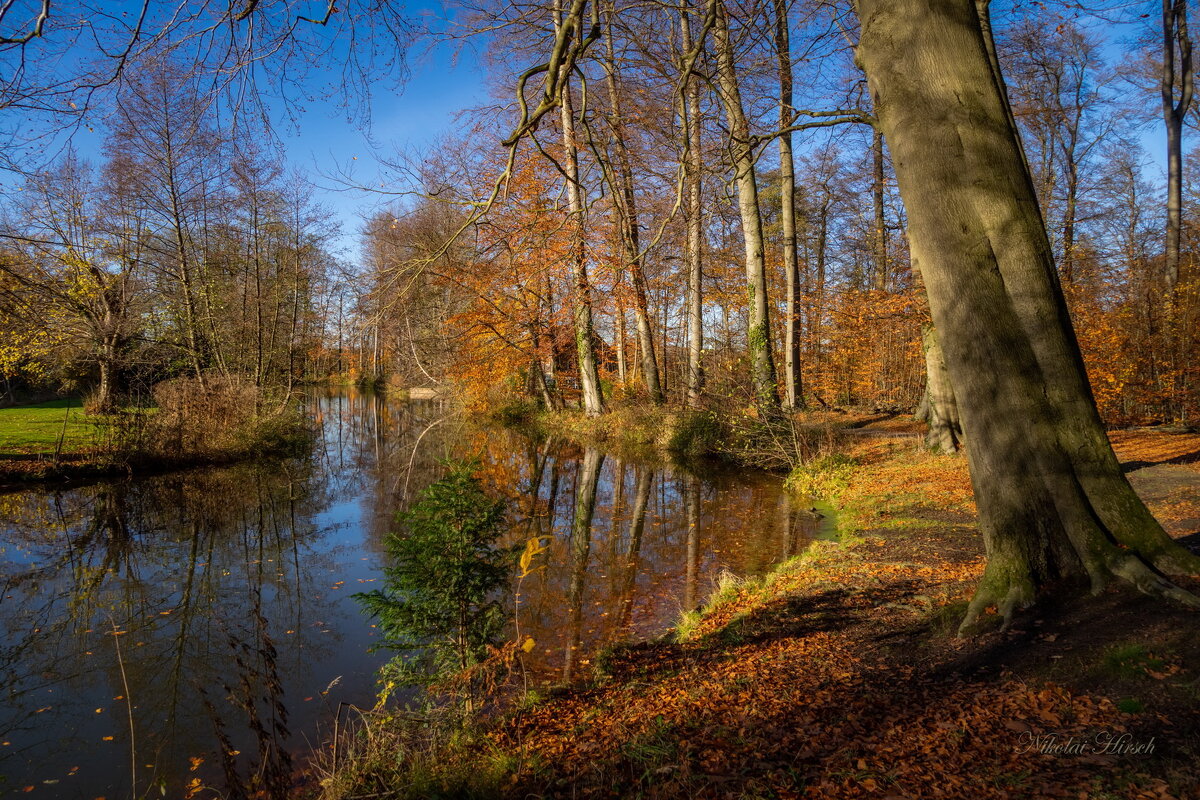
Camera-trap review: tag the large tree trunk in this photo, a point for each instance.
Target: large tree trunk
(793, 387)
(1053, 502)
(758, 328)
(940, 407)
(591, 400)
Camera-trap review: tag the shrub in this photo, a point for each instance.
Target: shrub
(439, 603)
(695, 433)
(776, 443)
(219, 420)
(824, 477)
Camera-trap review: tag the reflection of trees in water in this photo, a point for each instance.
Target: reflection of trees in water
(385, 450)
(188, 567)
(203, 568)
(587, 480)
(655, 540)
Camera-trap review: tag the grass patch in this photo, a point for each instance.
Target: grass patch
(824, 477)
(407, 755)
(725, 614)
(653, 751)
(1130, 705)
(38, 428)
(1131, 661)
(189, 425)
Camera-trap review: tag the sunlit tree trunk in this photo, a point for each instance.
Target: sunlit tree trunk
(589, 377)
(793, 388)
(758, 329)
(692, 168)
(1053, 502)
(1178, 84)
(620, 173)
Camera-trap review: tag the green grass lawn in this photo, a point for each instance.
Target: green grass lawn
(37, 428)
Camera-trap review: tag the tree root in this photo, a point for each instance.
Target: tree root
(1138, 573)
(1012, 589)
(1007, 592)
(1177, 560)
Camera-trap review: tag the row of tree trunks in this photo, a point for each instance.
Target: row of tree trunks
(619, 174)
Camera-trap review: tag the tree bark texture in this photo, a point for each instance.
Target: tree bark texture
(1053, 502)
(793, 386)
(758, 328)
(591, 401)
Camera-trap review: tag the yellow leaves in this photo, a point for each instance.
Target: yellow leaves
(533, 548)
(529, 644)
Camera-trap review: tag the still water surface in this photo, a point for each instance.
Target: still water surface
(199, 627)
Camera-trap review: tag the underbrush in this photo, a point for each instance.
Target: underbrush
(404, 754)
(779, 444)
(187, 424)
(220, 420)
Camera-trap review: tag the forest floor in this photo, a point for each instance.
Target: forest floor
(839, 676)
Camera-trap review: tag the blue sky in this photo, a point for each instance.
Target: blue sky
(410, 117)
(442, 82)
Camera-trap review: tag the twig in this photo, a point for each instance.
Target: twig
(129, 709)
(62, 434)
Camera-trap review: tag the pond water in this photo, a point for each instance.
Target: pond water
(198, 629)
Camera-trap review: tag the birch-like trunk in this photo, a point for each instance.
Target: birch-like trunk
(758, 328)
(793, 386)
(625, 205)
(693, 167)
(589, 378)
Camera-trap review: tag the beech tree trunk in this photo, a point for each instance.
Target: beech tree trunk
(591, 400)
(693, 169)
(940, 407)
(620, 180)
(792, 384)
(758, 328)
(1053, 502)
(1178, 83)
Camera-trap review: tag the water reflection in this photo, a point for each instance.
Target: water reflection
(633, 544)
(198, 626)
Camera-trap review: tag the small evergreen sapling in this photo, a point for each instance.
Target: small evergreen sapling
(441, 601)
